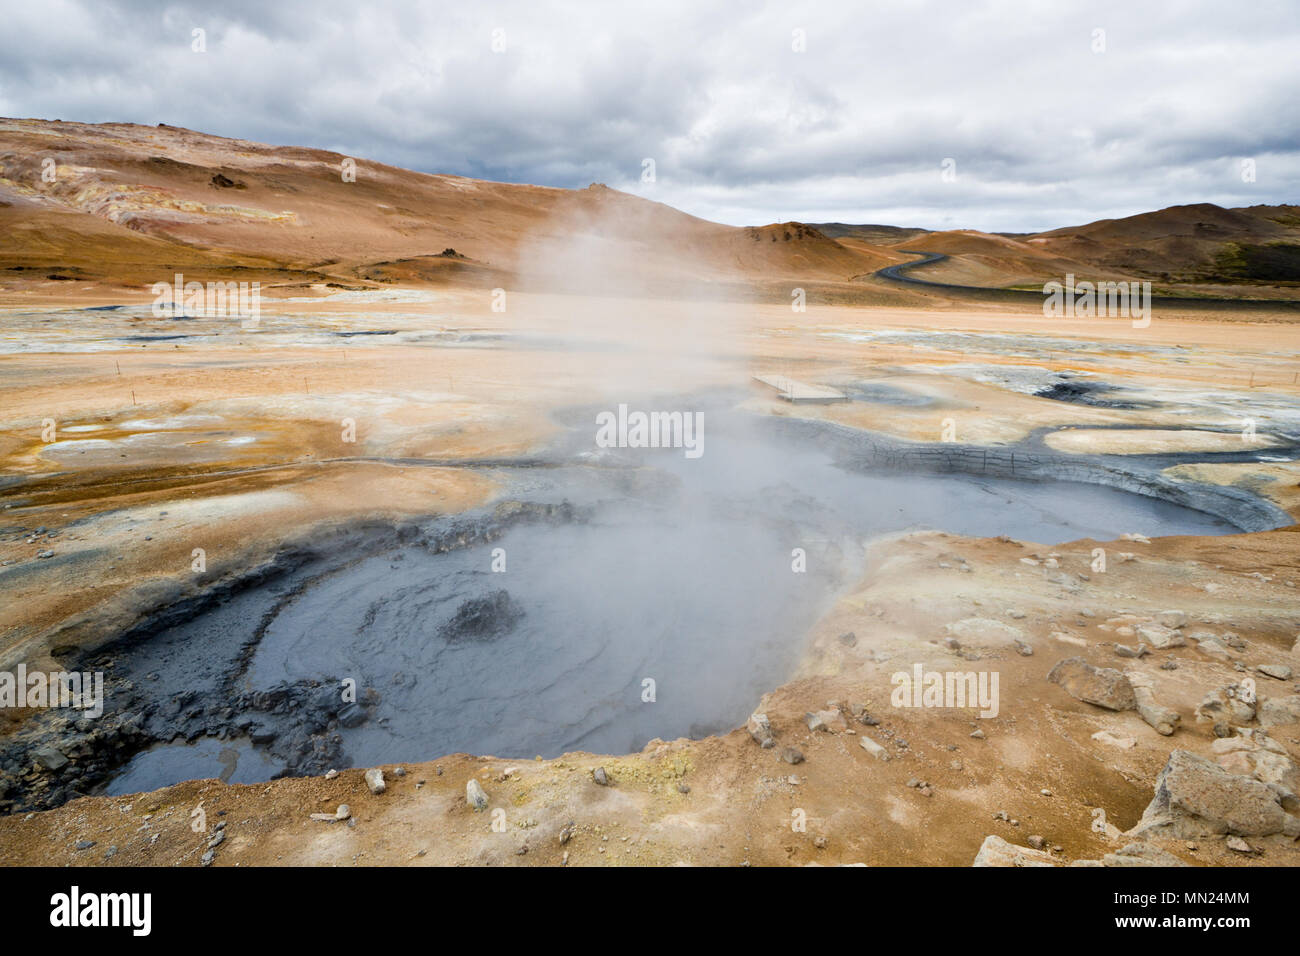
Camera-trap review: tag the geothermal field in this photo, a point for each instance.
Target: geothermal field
(612, 536)
(356, 513)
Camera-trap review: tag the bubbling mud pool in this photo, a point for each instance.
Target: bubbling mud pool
(664, 606)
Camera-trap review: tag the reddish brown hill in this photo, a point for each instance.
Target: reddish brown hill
(122, 202)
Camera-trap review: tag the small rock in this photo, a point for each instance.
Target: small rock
(1123, 650)
(1102, 686)
(1036, 842)
(826, 721)
(995, 851)
(792, 755)
(1171, 619)
(600, 776)
(50, 758)
(760, 728)
(1212, 647)
(1159, 636)
(475, 795)
(1239, 845)
(375, 780)
(1106, 737)
(1276, 671)
(873, 748)
(353, 715)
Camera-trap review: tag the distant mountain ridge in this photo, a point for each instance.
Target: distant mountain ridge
(122, 204)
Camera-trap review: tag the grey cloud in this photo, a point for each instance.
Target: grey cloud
(743, 129)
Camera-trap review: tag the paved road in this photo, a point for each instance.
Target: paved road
(899, 272)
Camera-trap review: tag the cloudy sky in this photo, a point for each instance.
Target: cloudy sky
(1050, 113)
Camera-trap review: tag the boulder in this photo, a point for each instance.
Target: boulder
(1279, 710)
(1140, 854)
(50, 758)
(1102, 686)
(995, 851)
(1263, 759)
(1195, 797)
(1163, 719)
(1230, 702)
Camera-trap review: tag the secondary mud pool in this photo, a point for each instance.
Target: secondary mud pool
(615, 596)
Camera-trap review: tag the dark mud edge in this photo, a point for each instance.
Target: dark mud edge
(57, 756)
(865, 451)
